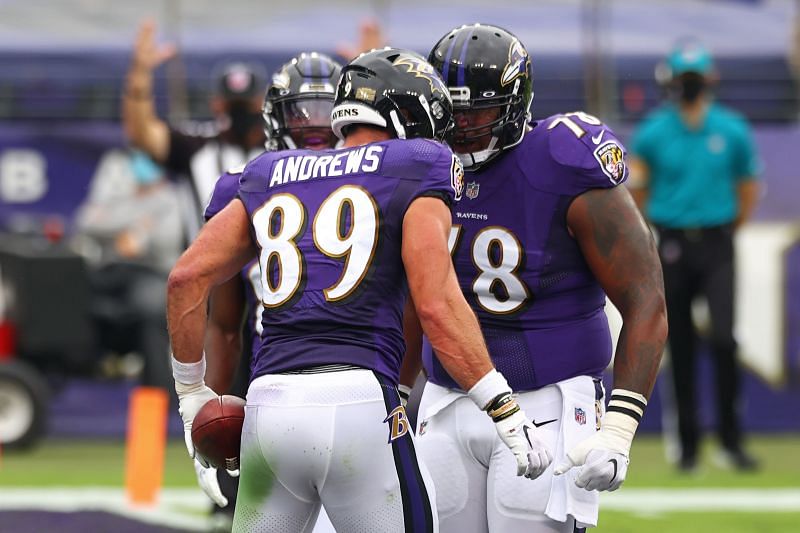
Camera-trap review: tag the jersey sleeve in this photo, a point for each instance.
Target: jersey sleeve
(441, 175)
(225, 190)
(587, 152)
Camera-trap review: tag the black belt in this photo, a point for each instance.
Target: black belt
(323, 369)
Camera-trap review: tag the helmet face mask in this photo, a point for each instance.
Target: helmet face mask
(306, 120)
(393, 89)
(297, 108)
(485, 68)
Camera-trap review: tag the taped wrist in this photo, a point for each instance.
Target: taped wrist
(625, 410)
(189, 373)
(488, 389)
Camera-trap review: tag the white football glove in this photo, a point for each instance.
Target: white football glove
(603, 457)
(492, 394)
(517, 432)
(207, 479)
(190, 399)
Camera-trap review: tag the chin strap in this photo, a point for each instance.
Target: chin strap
(473, 159)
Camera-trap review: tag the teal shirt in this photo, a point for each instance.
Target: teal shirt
(694, 174)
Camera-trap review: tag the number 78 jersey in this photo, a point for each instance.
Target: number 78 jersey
(540, 307)
(328, 226)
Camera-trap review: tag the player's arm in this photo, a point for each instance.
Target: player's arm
(223, 343)
(412, 360)
(639, 181)
(221, 249)
(445, 316)
(454, 332)
(621, 252)
(142, 126)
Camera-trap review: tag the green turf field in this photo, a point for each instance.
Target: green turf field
(101, 464)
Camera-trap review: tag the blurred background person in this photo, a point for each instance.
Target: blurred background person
(197, 152)
(131, 240)
(694, 176)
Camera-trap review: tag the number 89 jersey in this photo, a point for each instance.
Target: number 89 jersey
(539, 305)
(328, 225)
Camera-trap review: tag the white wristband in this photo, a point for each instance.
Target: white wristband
(628, 403)
(489, 387)
(189, 373)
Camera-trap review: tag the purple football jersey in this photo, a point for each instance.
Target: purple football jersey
(539, 305)
(225, 190)
(328, 225)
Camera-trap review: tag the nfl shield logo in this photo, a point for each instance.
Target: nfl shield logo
(472, 190)
(422, 427)
(580, 416)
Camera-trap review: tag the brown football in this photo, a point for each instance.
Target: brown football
(217, 431)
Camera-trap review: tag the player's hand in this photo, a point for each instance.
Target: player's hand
(601, 469)
(207, 479)
(370, 36)
(603, 457)
(519, 434)
(190, 399)
(147, 55)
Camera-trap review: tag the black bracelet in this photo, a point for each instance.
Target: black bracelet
(502, 406)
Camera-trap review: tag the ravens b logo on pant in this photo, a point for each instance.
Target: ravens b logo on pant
(398, 423)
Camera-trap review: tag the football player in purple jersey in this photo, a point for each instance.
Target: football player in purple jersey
(297, 114)
(544, 232)
(343, 237)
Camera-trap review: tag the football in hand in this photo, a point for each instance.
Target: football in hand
(217, 431)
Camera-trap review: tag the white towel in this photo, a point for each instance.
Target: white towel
(567, 499)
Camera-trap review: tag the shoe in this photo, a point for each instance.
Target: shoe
(737, 459)
(687, 464)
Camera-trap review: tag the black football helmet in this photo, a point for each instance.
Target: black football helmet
(485, 68)
(298, 103)
(394, 89)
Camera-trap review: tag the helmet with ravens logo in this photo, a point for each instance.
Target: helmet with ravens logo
(298, 103)
(488, 72)
(394, 89)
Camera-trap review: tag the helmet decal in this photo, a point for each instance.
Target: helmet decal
(421, 69)
(517, 63)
